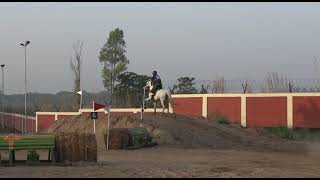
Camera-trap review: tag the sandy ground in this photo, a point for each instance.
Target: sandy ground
(188, 147)
(177, 162)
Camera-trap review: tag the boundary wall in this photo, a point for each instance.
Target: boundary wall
(256, 110)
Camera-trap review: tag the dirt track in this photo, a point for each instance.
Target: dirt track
(188, 147)
(176, 162)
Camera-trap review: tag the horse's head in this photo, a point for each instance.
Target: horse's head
(148, 87)
(149, 84)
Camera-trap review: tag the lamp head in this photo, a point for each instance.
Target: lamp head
(2, 65)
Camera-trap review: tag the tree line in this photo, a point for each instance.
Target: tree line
(125, 88)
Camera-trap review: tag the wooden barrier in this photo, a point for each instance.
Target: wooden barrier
(76, 147)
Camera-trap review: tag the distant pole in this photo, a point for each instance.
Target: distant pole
(108, 130)
(94, 121)
(21, 125)
(142, 108)
(108, 126)
(25, 85)
(290, 87)
(12, 119)
(81, 101)
(2, 97)
(25, 88)
(94, 126)
(80, 92)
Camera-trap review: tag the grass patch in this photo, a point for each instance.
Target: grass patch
(219, 118)
(282, 132)
(298, 134)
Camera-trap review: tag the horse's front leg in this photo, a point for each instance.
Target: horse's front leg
(149, 97)
(144, 104)
(154, 107)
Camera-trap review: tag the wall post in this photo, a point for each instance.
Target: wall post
(36, 122)
(289, 112)
(244, 111)
(205, 106)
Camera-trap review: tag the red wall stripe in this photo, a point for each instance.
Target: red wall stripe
(45, 121)
(306, 112)
(230, 107)
(188, 106)
(266, 111)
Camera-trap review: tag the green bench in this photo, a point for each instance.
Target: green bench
(30, 142)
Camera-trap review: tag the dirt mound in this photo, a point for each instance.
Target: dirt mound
(184, 132)
(199, 132)
(81, 125)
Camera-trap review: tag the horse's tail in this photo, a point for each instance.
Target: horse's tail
(170, 98)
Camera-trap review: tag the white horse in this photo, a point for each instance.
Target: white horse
(161, 95)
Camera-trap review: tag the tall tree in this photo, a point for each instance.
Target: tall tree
(186, 85)
(130, 89)
(113, 58)
(75, 65)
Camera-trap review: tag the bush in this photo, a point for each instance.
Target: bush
(32, 157)
(297, 134)
(283, 132)
(219, 118)
(308, 134)
(222, 120)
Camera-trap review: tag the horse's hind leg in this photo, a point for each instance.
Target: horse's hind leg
(168, 105)
(162, 104)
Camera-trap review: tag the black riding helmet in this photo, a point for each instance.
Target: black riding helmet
(154, 73)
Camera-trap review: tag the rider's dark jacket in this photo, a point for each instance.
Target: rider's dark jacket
(157, 84)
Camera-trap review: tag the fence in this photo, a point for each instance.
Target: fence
(268, 85)
(17, 123)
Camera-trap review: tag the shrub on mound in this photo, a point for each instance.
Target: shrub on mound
(128, 138)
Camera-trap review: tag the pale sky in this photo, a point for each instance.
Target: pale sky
(233, 40)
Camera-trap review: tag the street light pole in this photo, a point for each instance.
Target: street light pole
(2, 97)
(25, 85)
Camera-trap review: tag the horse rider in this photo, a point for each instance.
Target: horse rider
(157, 84)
